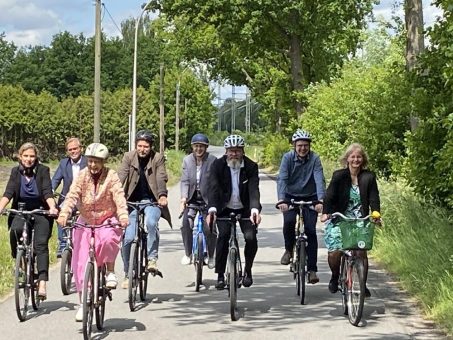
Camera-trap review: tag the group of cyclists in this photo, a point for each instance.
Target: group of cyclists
(223, 185)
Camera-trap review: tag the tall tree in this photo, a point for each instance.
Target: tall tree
(7, 52)
(415, 43)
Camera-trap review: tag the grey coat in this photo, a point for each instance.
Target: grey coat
(189, 176)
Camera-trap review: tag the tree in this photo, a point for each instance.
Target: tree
(7, 52)
(414, 27)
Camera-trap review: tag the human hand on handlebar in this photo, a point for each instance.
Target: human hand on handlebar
(210, 219)
(318, 208)
(282, 206)
(255, 219)
(325, 217)
(162, 201)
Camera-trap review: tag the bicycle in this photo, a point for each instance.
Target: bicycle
(199, 247)
(95, 292)
(66, 272)
(298, 264)
(25, 273)
(352, 270)
(138, 261)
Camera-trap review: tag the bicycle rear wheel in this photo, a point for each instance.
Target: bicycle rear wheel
(143, 264)
(357, 292)
(133, 275)
(88, 300)
(199, 262)
(302, 272)
(233, 284)
(21, 288)
(102, 296)
(343, 284)
(66, 272)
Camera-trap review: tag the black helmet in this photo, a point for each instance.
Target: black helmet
(145, 135)
(200, 138)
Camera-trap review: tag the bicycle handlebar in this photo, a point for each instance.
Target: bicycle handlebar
(92, 226)
(338, 214)
(25, 212)
(293, 203)
(138, 205)
(197, 207)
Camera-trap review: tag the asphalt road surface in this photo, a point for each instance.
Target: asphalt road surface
(268, 310)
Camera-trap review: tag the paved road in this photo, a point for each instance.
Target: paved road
(269, 309)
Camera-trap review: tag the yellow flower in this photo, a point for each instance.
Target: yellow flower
(375, 215)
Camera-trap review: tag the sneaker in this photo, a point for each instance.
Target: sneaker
(152, 266)
(220, 285)
(333, 285)
(79, 314)
(367, 292)
(125, 284)
(211, 262)
(186, 260)
(286, 258)
(247, 280)
(312, 277)
(112, 280)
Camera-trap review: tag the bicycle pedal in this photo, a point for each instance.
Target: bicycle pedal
(157, 272)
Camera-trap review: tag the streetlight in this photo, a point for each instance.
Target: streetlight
(178, 85)
(132, 126)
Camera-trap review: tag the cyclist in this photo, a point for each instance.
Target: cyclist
(352, 191)
(234, 187)
(301, 178)
(144, 177)
(68, 169)
(98, 194)
(194, 190)
(29, 183)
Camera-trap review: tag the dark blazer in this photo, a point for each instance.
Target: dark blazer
(337, 195)
(64, 173)
(221, 188)
(42, 176)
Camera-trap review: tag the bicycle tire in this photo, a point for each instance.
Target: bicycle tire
(302, 272)
(102, 297)
(143, 274)
(343, 284)
(133, 275)
(21, 288)
(357, 292)
(66, 272)
(233, 284)
(88, 300)
(199, 262)
(32, 274)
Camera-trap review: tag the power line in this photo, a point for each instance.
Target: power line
(113, 20)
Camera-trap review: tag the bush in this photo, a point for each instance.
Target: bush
(274, 149)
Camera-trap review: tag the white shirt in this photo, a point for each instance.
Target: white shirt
(75, 168)
(235, 199)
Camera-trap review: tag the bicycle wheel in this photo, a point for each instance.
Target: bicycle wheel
(102, 296)
(33, 281)
(133, 273)
(357, 292)
(143, 274)
(343, 284)
(302, 272)
(199, 262)
(66, 272)
(233, 284)
(88, 300)
(21, 288)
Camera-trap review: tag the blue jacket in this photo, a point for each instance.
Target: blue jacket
(64, 172)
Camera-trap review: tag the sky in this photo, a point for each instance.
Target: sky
(34, 22)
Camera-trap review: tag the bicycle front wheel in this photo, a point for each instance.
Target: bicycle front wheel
(133, 276)
(356, 292)
(102, 296)
(143, 273)
(66, 272)
(21, 288)
(343, 284)
(233, 283)
(88, 300)
(199, 262)
(301, 272)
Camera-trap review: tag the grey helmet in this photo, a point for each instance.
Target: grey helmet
(97, 150)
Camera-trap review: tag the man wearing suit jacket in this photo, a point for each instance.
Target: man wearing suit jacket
(234, 188)
(67, 171)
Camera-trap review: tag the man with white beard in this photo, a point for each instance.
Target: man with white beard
(234, 187)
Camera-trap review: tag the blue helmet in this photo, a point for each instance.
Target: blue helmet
(200, 138)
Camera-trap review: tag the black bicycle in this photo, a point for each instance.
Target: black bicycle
(25, 273)
(66, 272)
(138, 260)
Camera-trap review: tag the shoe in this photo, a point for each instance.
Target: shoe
(42, 294)
(125, 284)
(286, 258)
(367, 292)
(333, 285)
(152, 266)
(312, 277)
(112, 281)
(220, 285)
(247, 280)
(59, 255)
(211, 262)
(186, 260)
(79, 314)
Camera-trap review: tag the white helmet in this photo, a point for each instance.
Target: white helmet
(234, 141)
(301, 135)
(97, 150)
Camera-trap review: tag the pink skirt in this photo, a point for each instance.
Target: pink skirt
(107, 245)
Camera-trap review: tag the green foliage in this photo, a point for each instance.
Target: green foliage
(173, 165)
(274, 149)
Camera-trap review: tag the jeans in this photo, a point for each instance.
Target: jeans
(61, 239)
(152, 215)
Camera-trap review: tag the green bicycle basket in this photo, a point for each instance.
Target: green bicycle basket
(357, 235)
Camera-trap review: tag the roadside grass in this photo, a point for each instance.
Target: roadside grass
(416, 244)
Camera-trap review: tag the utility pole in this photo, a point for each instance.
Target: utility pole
(219, 117)
(161, 111)
(178, 85)
(97, 74)
(247, 111)
(233, 110)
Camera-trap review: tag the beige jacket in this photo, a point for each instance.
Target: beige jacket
(96, 204)
(156, 175)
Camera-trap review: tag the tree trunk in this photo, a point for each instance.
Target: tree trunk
(414, 25)
(296, 72)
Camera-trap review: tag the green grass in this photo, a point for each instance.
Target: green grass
(416, 244)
